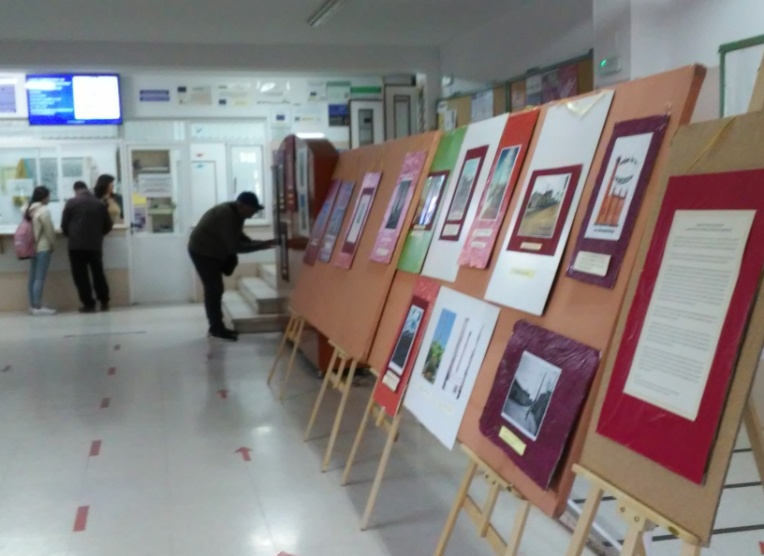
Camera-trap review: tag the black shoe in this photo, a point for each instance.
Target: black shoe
(87, 309)
(105, 307)
(224, 334)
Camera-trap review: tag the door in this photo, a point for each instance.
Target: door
(247, 173)
(160, 269)
(401, 111)
(367, 123)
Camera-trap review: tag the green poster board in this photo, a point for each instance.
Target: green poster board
(418, 241)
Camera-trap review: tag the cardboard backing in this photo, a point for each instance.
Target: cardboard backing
(718, 146)
(346, 305)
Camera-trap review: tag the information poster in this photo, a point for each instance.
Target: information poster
(687, 319)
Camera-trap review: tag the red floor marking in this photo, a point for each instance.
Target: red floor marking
(95, 448)
(244, 453)
(223, 394)
(6, 368)
(112, 371)
(105, 403)
(81, 521)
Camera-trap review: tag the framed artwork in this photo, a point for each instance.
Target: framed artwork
(319, 227)
(335, 221)
(688, 317)
(429, 201)
(358, 221)
(389, 391)
(465, 188)
(544, 210)
(451, 354)
(613, 209)
(398, 207)
(541, 385)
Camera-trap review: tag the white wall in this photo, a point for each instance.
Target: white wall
(667, 34)
(612, 37)
(532, 34)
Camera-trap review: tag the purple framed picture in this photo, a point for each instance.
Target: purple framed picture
(539, 390)
(617, 198)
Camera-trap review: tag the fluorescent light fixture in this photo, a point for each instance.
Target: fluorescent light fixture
(325, 12)
(311, 135)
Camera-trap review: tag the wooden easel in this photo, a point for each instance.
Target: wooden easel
(293, 333)
(481, 516)
(640, 518)
(336, 376)
(381, 420)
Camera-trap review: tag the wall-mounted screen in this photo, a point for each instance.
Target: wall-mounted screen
(74, 99)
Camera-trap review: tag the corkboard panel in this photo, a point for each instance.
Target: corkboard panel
(346, 305)
(580, 311)
(718, 146)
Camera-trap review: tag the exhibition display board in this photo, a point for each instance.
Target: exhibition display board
(346, 305)
(582, 312)
(698, 152)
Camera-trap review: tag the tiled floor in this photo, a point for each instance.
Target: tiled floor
(163, 413)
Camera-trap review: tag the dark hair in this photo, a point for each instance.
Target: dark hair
(39, 194)
(102, 185)
(80, 185)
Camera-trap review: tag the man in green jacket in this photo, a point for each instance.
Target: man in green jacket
(214, 244)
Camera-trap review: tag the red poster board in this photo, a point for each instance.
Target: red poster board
(358, 221)
(322, 220)
(509, 160)
(395, 216)
(390, 389)
(675, 442)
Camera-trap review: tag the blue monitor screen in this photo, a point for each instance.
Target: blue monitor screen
(74, 99)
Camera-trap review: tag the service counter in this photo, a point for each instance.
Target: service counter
(60, 292)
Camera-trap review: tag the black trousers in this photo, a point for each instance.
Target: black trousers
(85, 263)
(210, 272)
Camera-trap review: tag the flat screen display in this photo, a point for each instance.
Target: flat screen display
(74, 99)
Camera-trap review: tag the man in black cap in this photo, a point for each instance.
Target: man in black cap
(214, 245)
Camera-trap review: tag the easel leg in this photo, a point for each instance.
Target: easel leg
(358, 440)
(690, 550)
(392, 434)
(338, 418)
(320, 398)
(453, 515)
(585, 522)
(488, 508)
(521, 518)
(295, 347)
(753, 428)
(282, 345)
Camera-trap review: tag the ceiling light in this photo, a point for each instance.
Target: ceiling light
(308, 135)
(325, 12)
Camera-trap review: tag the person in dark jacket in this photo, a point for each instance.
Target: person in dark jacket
(213, 247)
(85, 221)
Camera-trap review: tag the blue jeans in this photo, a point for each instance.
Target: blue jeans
(37, 273)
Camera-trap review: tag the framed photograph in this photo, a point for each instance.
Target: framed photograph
(398, 205)
(443, 329)
(429, 201)
(536, 398)
(335, 221)
(530, 393)
(616, 201)
(465, 188)
(490, 208)
(402, 349)
(461, 360)
(358, 220)
(544, 210)
(319, 227)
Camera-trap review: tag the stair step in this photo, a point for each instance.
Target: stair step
(269, 274)
(261, 295)
(245, 319)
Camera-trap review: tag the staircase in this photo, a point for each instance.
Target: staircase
(256, 306)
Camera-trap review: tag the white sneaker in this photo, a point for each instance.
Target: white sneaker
(43, 312)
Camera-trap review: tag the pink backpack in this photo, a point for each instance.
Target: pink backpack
(24, 241)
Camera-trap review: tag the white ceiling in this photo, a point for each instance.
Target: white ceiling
(419, 23)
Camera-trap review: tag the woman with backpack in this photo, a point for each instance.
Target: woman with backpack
(38, 214)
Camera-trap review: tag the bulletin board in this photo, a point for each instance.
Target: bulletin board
(346, 305)
(718, 146)
(576, 310)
